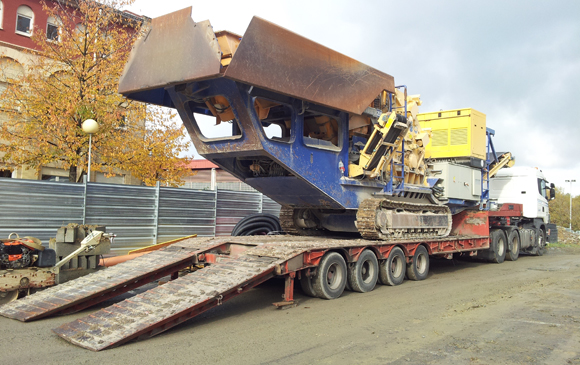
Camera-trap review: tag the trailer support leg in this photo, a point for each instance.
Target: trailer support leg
(289, 301)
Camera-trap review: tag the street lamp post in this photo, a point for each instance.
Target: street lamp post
(90, 126)
(570, 181)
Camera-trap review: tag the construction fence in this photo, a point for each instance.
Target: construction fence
(138, 215)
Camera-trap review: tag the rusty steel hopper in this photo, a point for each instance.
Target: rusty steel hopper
(177, 50)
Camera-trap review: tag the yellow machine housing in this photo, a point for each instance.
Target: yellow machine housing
(455, 133)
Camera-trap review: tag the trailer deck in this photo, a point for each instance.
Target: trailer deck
(231, 266)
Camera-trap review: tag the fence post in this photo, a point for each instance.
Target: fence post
(85, 200)
(156, 214)
(215, 212)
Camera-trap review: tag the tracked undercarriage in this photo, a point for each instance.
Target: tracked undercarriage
(378, 219)
(294, 222)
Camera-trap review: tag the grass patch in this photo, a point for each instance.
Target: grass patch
(563, 245)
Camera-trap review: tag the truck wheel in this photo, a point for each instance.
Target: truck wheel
(418, 268)
(513, 239)
(362, 277)
(330, 278)
(306, 285)
(540, 248)
(498, 246)
(392, 270)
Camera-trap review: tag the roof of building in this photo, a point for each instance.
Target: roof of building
(202, 165)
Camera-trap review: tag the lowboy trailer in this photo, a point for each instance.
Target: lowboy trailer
(230, 266)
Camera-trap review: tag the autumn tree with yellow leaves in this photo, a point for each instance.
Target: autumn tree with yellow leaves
(74, 77)
(560, 210)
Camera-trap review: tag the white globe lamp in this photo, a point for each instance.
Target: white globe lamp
(90, 126)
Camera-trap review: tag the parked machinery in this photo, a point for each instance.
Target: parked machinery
(18, 253)
(26, 265)
(348, 154)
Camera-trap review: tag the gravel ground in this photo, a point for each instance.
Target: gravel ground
(522, 312)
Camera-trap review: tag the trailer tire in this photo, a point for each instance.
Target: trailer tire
(392, 270)
(306, 285)
(363, 275)
(418, 268)
(514, 244)
(330, 278)
(498, 246)
(8, 296)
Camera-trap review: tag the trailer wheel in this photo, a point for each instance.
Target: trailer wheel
(513, 239)
(8, 296)
(306, 285)
(539, 249)
(392, 270)
(362, 277)
(418, 268)
(330, 278)
(498, 246)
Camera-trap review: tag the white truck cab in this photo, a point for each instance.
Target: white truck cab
(522, 185)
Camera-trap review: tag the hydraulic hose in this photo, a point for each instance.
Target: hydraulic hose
(257, 224)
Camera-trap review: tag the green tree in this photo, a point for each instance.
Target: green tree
(560, 210)
(73, 77)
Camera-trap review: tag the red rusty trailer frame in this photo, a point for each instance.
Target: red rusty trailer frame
(235, 265)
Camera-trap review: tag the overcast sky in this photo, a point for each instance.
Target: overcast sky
(518, 62)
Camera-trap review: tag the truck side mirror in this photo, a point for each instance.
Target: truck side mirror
(552, 192)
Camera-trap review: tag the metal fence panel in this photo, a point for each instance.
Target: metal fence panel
(38, 208)
(269, 206)
(233, 206)
(185, 212)
(126, 210)
(138, 215)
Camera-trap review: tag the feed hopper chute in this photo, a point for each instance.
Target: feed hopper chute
(297, 114)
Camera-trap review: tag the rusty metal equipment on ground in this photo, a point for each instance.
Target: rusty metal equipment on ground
(27, 266)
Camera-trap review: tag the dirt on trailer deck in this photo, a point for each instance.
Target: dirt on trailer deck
(522, 312)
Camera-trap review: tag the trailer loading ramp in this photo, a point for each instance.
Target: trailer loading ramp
(94, 288)
(148, 314)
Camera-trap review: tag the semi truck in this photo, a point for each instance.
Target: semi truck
(370, 188)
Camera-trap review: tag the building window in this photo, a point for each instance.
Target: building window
(24, 20)
(55, 178)
(52, 25)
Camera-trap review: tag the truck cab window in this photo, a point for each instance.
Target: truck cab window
(542, 188)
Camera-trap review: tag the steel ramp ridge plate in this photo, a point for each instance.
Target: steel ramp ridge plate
(158, 309)
(96, 287)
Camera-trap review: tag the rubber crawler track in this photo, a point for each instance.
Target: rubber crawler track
(367, 213)
(366, 218)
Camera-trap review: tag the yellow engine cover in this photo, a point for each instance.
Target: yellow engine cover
(455, 133)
